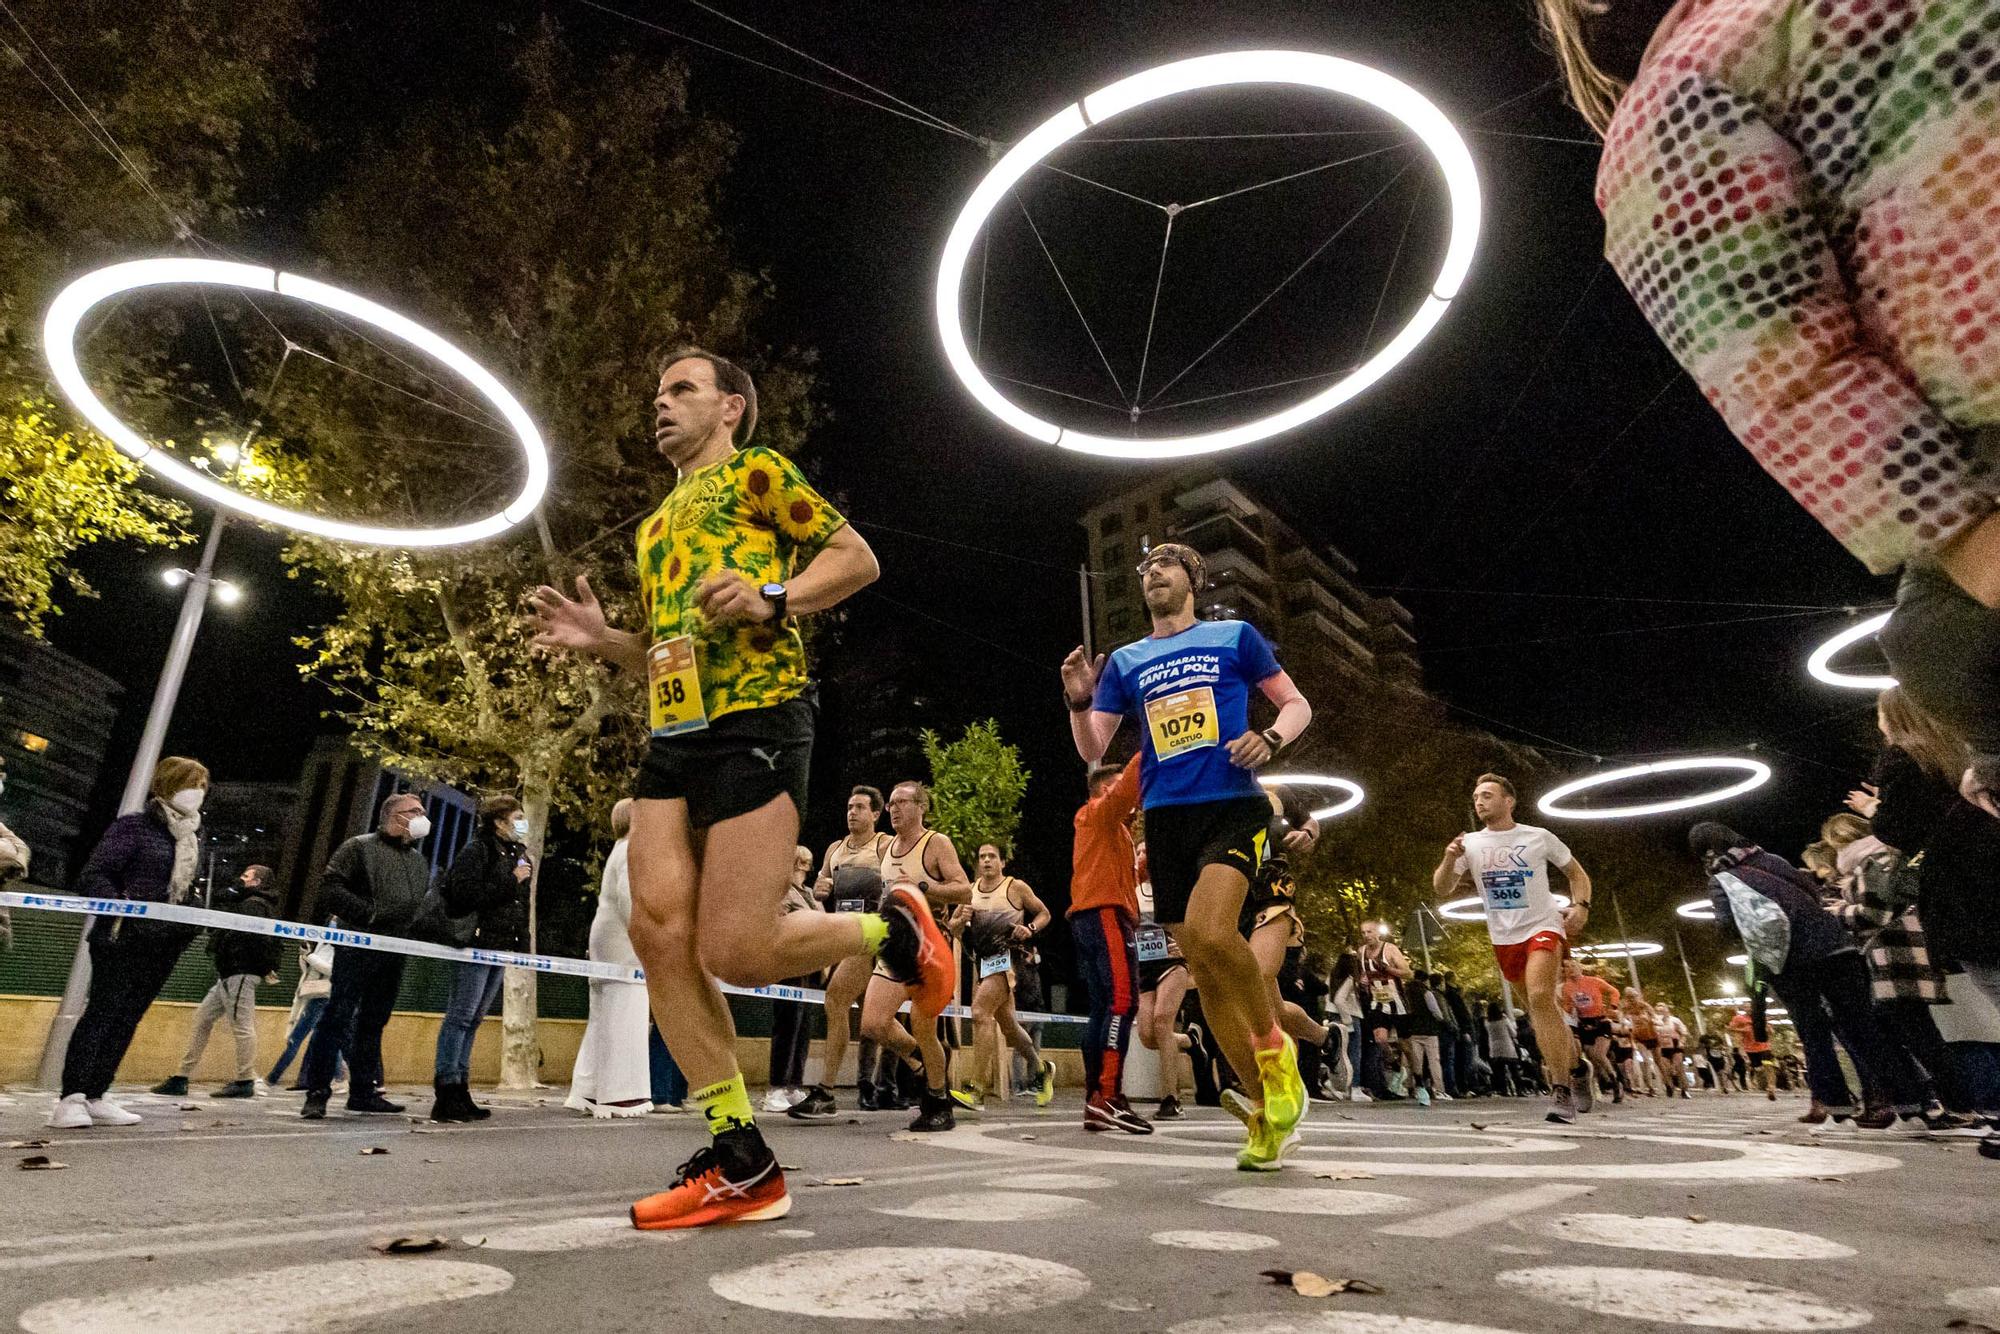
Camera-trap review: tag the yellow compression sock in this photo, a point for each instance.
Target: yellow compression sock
(874, 931)
(725, 1105)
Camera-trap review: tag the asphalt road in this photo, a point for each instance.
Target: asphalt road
(1477, 1216)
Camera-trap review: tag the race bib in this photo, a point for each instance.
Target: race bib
(849, 905)
(1152, 943)
(673, 685)
(1505, 889)
(1183, 721)
(994, 964)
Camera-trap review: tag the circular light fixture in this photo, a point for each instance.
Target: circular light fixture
(1224, 70)
(80, 297)
(1759, 774)
(1820, 665)
(1352, 790)
(1472, 908)
(1637, 949)
(1739, 960)
(1697, 910)
(1725, 1000)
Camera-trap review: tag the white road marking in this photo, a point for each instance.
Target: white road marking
(589, 1232)
(902, 1283)
(1984, 1303)
(374, 1127)
(1051, 1181)
(1319, 1200)
(990, 1206)
(1326, 1322)
(293, 1300)
(1215, 1241)
(1684, 1237)
(1699, 1300)
(1758, 1160)
(1472, 1143)
(794, 1232)
(1486, 1212)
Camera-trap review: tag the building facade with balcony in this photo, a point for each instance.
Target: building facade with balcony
(1302, 596)
(56, 716)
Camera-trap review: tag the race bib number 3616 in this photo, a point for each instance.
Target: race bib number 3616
(673, 687)
(1183, 721)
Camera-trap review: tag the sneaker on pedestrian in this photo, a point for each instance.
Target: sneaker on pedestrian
(1446, 1097)
(69, 1114)
(1814, 1114)
(1876, 1118)
(1238, 1104)
(774, 1101)
(261, 1086)
(1944, 1122)
(1285, 1100)
(173, 1086)
(671, 1108)
(1360, 1095)
(1990, 1147)
(1584, 1085)
(373, 1104)
(916, 951)
(817, 1105)
(314, 1108)
(971, 1099)
(237, 1088)
(1562, 1105)
(934, 1114)
(1169, 1109)
(105, 1112)
(1423, 1096)
(1100, 1113)
(1045, 1084)
(738, 1182)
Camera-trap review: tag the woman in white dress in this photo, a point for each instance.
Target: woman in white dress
(611, 1076)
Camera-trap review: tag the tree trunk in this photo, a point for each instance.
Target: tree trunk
(520, 1040)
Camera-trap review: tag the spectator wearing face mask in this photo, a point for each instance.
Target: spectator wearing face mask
(150, 855)
(242, 960)
(373, 882)
(487, 883)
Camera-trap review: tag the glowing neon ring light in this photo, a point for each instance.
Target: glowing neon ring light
(1820, 665)
(1352, 789)
(1225, 70)
(1473, 909)
(1697, 910)
(59, 340)
(1759, 774)
(1639, 949)
(1740, 960)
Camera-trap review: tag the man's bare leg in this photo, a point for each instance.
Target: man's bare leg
(1269, 943)
(1233, 992)
(879, 1005)
(843, 989)
(1552, 1035)
(1167, 1040)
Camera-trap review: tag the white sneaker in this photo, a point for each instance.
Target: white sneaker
(775, 1101)
(69, 1114)
(104, 1112)
(263, 1089)
(1361, 1095)
(1445, 1097)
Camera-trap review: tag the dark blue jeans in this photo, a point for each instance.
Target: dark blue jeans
(474, 988)
(309, 1015)
(670, 1086)
(365, 983)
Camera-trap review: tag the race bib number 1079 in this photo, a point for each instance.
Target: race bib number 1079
(1183, 721)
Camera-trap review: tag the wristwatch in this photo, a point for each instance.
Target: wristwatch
(775, 595)
(1272, 739)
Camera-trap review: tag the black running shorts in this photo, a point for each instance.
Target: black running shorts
(1181, 840)
(733, 766)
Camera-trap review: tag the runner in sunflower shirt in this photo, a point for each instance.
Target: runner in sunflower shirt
(740, 547)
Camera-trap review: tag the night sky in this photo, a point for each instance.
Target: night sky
(1592, 559)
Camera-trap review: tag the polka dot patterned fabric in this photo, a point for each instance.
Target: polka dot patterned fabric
(1804, 198)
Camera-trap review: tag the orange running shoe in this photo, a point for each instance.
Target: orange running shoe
(702, 1194)
(928, 966)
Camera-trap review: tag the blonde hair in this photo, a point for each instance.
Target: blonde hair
(1844, 827)
(1592, 92)
(1934, 747)
(1821, 859)
(176, 772)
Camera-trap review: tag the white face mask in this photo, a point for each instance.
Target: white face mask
(420, 825)
(521, 828)
(188, 800)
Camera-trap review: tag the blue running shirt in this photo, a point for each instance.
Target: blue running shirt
(1190, 695)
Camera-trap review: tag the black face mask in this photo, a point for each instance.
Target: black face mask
(1617, 38)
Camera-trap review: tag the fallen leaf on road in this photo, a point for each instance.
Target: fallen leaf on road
(1973, 1325)
(1344, 1174)
(1125, 1304)
(223, 1125)
(1308, 1284)
(839, 1181)
(1030, 1137)
(1837, 1181)
(187, 1106)
(374, 1151)
(417, 1130)
(1697, 1218)
(1476, 1125)
(187, 1125)
(41, 1162)
(409, 1245)
(430, 1160)
(27, 1144)
(790, 1167)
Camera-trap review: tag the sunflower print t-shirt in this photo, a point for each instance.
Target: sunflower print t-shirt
(752, 513)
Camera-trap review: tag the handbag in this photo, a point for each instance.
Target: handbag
(435, 923)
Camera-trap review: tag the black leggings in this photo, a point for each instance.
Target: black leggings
(126, 973)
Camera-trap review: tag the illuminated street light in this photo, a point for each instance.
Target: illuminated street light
(1759, 774)
(1820, 665)
(1698, 910)
(1472, 908)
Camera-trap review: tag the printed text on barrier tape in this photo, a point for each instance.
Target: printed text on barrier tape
(333, 935)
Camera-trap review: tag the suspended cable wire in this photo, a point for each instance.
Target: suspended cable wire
(1022, 204)
(1059, 393)
(1296, 175)
(1614, 634)
(1153, 315)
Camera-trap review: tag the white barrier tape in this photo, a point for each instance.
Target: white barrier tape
(303, 932)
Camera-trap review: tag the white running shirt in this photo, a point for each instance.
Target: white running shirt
(1510, 869)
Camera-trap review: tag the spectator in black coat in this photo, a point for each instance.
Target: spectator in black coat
(243, 960)
(373, 882)
(488, 882)
(149, 855)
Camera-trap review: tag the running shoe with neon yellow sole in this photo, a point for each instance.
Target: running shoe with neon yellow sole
(1266, 1147)
(704, 1193)
(970, 1098)
(1285, 1099)
(1045, 1084)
